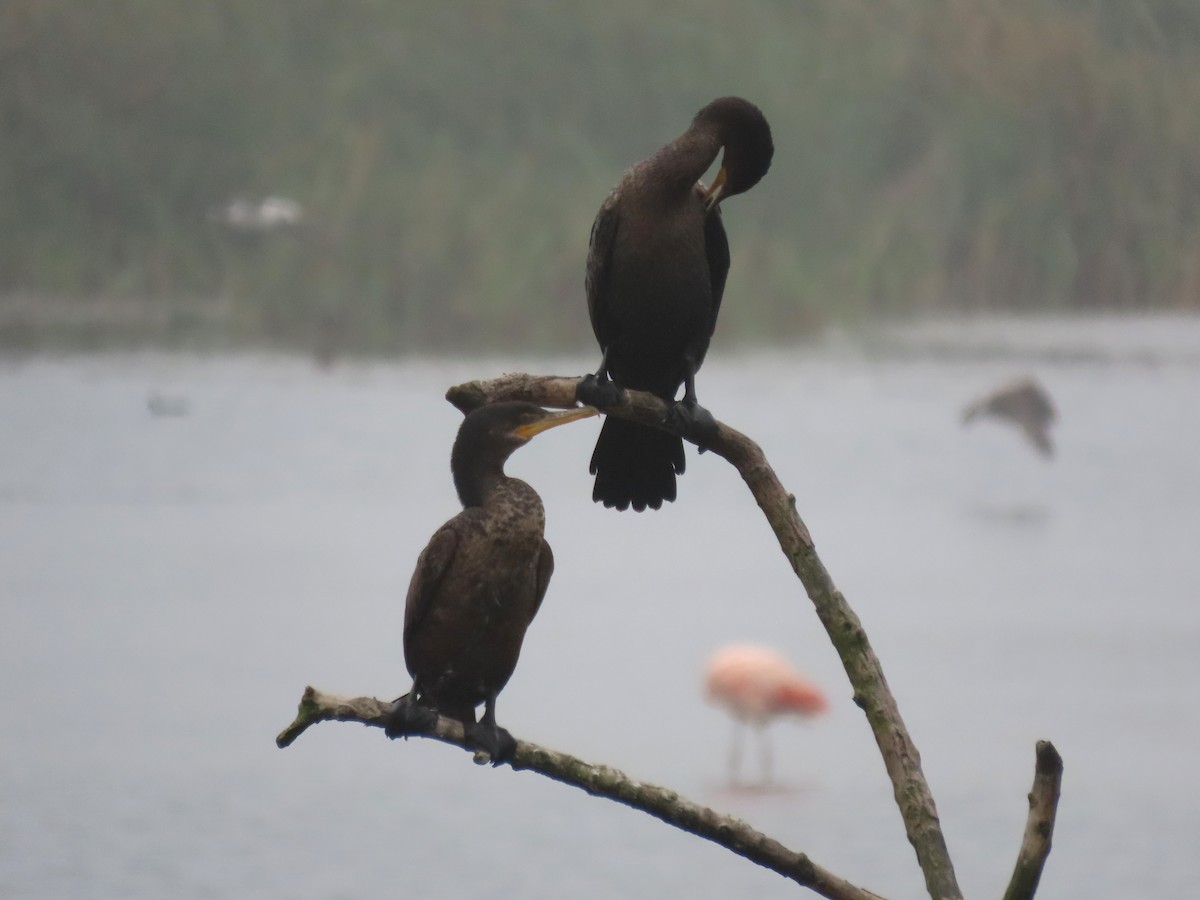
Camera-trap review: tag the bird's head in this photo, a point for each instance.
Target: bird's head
(490, 434)
(746, 137)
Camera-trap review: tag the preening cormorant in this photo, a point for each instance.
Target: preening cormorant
(657, 262)
(479, 582)
(1023, 403)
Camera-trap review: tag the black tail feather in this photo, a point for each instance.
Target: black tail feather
(635, 465)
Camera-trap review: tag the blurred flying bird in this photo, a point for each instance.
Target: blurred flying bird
(755, 684)
(1023, 403)
(479, 582)
(656, 268)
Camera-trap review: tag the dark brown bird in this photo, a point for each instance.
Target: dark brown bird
(479, 582)
(656, 272)
(1023, 403)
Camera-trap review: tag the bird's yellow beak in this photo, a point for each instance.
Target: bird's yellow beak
(716, 190)
(552, 420)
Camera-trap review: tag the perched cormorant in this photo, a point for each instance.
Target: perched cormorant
(479, 582)
(656, 271)
(1023, 403)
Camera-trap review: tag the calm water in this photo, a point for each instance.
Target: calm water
(170, 584)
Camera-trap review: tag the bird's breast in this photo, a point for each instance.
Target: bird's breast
(659, 295)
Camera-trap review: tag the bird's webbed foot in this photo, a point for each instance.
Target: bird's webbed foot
(489, 737)
(495, 741)
(599, 391)
(693, 422)
(409, 717)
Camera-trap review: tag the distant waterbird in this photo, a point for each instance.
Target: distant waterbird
(164, 406)
(756, 685)
(258, 216)
(1023, 403)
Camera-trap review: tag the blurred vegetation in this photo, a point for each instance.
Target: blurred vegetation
(932, 155)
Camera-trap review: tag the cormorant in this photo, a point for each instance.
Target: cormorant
(657, 262)
(1023, 403)
(479, 582)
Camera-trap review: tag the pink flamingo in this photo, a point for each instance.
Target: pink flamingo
(756, 685)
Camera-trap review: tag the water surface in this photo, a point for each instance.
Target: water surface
(169, 584)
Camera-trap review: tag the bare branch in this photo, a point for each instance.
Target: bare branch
(603, 781)
(1039, 827)
(871, 691)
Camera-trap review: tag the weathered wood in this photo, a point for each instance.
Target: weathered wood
(1039, 826)
(603, 781)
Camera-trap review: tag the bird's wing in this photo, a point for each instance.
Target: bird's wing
(1038, 437)
(716, 248)
(433, 563)
(545, 568)
(600, 247)
(1040, 401)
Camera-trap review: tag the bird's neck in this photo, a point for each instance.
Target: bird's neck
(677, 167)
(477, 482)
(487, 485)
(514, 506)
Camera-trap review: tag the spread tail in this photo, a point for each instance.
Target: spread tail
(635, 465)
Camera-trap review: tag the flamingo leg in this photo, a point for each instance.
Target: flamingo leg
(735, 751)
(764, 754)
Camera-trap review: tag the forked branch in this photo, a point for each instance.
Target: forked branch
(871, 692)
